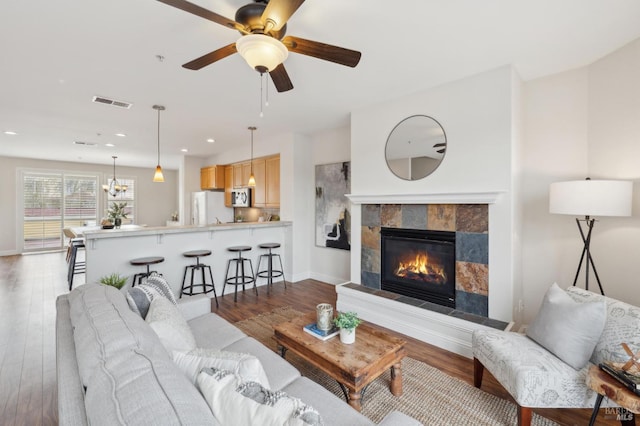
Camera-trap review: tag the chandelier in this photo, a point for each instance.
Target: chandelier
(114, 187)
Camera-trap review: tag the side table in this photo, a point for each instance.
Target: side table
(603, 383)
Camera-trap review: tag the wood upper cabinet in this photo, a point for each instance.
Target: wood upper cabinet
(228, 185)
(272, 190)
(258, 195)
(212, 177)
(241, 173)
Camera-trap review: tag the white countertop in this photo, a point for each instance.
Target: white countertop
(131, 231)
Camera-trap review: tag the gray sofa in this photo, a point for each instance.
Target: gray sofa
(113, 369)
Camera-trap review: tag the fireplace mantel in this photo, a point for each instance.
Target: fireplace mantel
(489, 197)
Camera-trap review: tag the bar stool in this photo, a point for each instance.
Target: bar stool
(145, 261)
(206, 287)
(75, 266)
(240, 278)
(270, 273)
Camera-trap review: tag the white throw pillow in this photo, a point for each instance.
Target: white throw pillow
(170, 326)
(238, 403)
(246, 366)
(568, 329)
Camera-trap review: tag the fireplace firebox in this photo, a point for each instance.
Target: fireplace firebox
(419, 264)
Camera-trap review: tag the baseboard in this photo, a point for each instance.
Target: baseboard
(9, 253)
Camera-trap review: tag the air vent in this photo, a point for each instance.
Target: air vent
(85, 143)
(113, 102)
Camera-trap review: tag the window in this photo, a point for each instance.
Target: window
(52, 201)
(128, 196)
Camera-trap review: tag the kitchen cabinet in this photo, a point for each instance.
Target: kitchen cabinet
(241, 173)
(228, 185)
(272, 182)
(212, 177)
(258, 195)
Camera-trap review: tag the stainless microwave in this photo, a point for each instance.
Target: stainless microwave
(241, 197)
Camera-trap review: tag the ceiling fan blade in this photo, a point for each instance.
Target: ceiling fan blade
(278, 12)
(281, 79)
(327, 52)
(204, 13)
(212, 57)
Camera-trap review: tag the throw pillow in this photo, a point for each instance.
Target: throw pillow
(568, 329)
(238, 403)
(139, 297)
(170, 326)
(246, 366)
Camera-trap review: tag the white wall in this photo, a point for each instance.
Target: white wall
(476, 114)
(556, 150)
(614, 152)
(581, 123)
(329, 265)
(148, 194)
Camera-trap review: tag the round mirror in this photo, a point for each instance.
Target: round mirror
(415, 147)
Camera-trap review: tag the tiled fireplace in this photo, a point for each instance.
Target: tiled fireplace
(468, 223)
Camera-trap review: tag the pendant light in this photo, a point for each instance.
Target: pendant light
(158, 176)
(252, 179)
(114, 187)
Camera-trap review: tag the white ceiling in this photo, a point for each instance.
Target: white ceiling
(56, 55)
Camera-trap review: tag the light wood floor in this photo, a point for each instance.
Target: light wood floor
(30, 284)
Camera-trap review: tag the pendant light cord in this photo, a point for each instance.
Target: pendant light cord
(158, 136)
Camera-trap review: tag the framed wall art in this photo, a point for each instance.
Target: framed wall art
(333, 208)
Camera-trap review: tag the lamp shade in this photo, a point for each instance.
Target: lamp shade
(591, 197)
(261, 51)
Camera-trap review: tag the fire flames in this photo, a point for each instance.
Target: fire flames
(420, 269)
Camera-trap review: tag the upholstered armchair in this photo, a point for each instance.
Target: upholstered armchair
(535, 376)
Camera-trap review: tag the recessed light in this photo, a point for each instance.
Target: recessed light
(211, 140)
(121, 135)
(9, 132)
(184, 150)
(110, 145)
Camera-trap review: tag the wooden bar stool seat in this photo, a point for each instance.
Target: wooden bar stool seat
(145, 261)
(205, 286)
(270, 273)
(241, 276)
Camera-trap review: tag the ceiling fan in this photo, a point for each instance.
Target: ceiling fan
(263, 43)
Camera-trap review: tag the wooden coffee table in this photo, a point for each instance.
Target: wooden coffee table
(352, 366)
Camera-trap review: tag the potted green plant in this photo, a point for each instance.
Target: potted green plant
(347, 323)
(114, 280)
(117, 212)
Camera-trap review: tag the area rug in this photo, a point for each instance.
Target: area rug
(429, 395)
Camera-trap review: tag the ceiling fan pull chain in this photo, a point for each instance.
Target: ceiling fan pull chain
(261, 113)
(266, 103)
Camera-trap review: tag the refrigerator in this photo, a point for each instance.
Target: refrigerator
(207, 207)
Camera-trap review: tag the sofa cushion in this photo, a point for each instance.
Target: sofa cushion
(567, 328)
(246, 366)
(104, 326)
(170, 326)
(214, 332)
(141, 389)
(279, 371)
(238, 403)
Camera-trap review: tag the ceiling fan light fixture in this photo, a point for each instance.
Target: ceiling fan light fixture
(262, 53)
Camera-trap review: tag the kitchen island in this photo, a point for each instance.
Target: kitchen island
(109, 251)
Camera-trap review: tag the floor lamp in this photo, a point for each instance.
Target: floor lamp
(590, 198)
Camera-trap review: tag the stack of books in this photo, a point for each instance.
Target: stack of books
(630, 381)
(313, 330)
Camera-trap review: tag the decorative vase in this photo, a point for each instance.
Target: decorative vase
(347, 335)
(118, 222)
(324, 313)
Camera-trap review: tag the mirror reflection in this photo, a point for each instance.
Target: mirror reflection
(415, 147)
